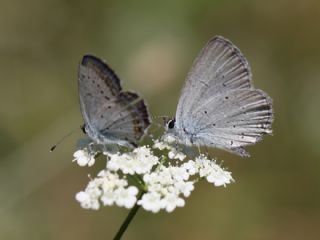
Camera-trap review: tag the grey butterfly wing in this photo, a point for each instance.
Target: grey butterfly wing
(219, 106)
(233, 119)
(219, 67)
(97, 84)
(128, 119)
(103, 104)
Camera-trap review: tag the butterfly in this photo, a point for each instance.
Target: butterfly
(218, 106)
(111, 116)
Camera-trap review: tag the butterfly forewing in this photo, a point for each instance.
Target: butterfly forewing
(219, 67)
(98, 85)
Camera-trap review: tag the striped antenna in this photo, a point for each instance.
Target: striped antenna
(65, 136)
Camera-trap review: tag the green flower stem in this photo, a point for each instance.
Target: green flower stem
(136, 207)
(162, 161)
(139, 181)
(129, 218)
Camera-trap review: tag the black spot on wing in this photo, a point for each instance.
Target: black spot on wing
(204, 83)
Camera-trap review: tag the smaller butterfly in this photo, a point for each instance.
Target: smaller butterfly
(111, 116)
(218, 106)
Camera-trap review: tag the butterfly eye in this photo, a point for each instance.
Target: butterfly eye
(171, 123)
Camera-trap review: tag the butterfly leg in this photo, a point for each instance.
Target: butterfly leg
(199, 149)
(90, 148)
(189, 151)
(104, 147)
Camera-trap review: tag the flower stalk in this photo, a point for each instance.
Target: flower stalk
(128, 219)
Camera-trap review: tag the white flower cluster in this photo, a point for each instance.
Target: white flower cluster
(212, 172)
(139, 161)
(165, 187)
(110, 189)
(165, 184)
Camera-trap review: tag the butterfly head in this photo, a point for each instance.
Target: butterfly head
(175, 134)
(169, 123)
(170, 135)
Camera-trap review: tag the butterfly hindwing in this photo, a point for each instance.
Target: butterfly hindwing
(129, 119)
(233, 119)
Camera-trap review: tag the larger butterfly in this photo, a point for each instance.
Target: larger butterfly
(111, 116)
(218, 106)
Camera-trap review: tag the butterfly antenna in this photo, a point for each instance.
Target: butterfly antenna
(64, 137)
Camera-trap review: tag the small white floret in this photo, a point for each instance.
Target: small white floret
(171, 201)
(126, 197)
(215, 174)
(151, 202)
(83, 158)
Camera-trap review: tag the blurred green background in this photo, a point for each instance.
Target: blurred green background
(151, 45)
